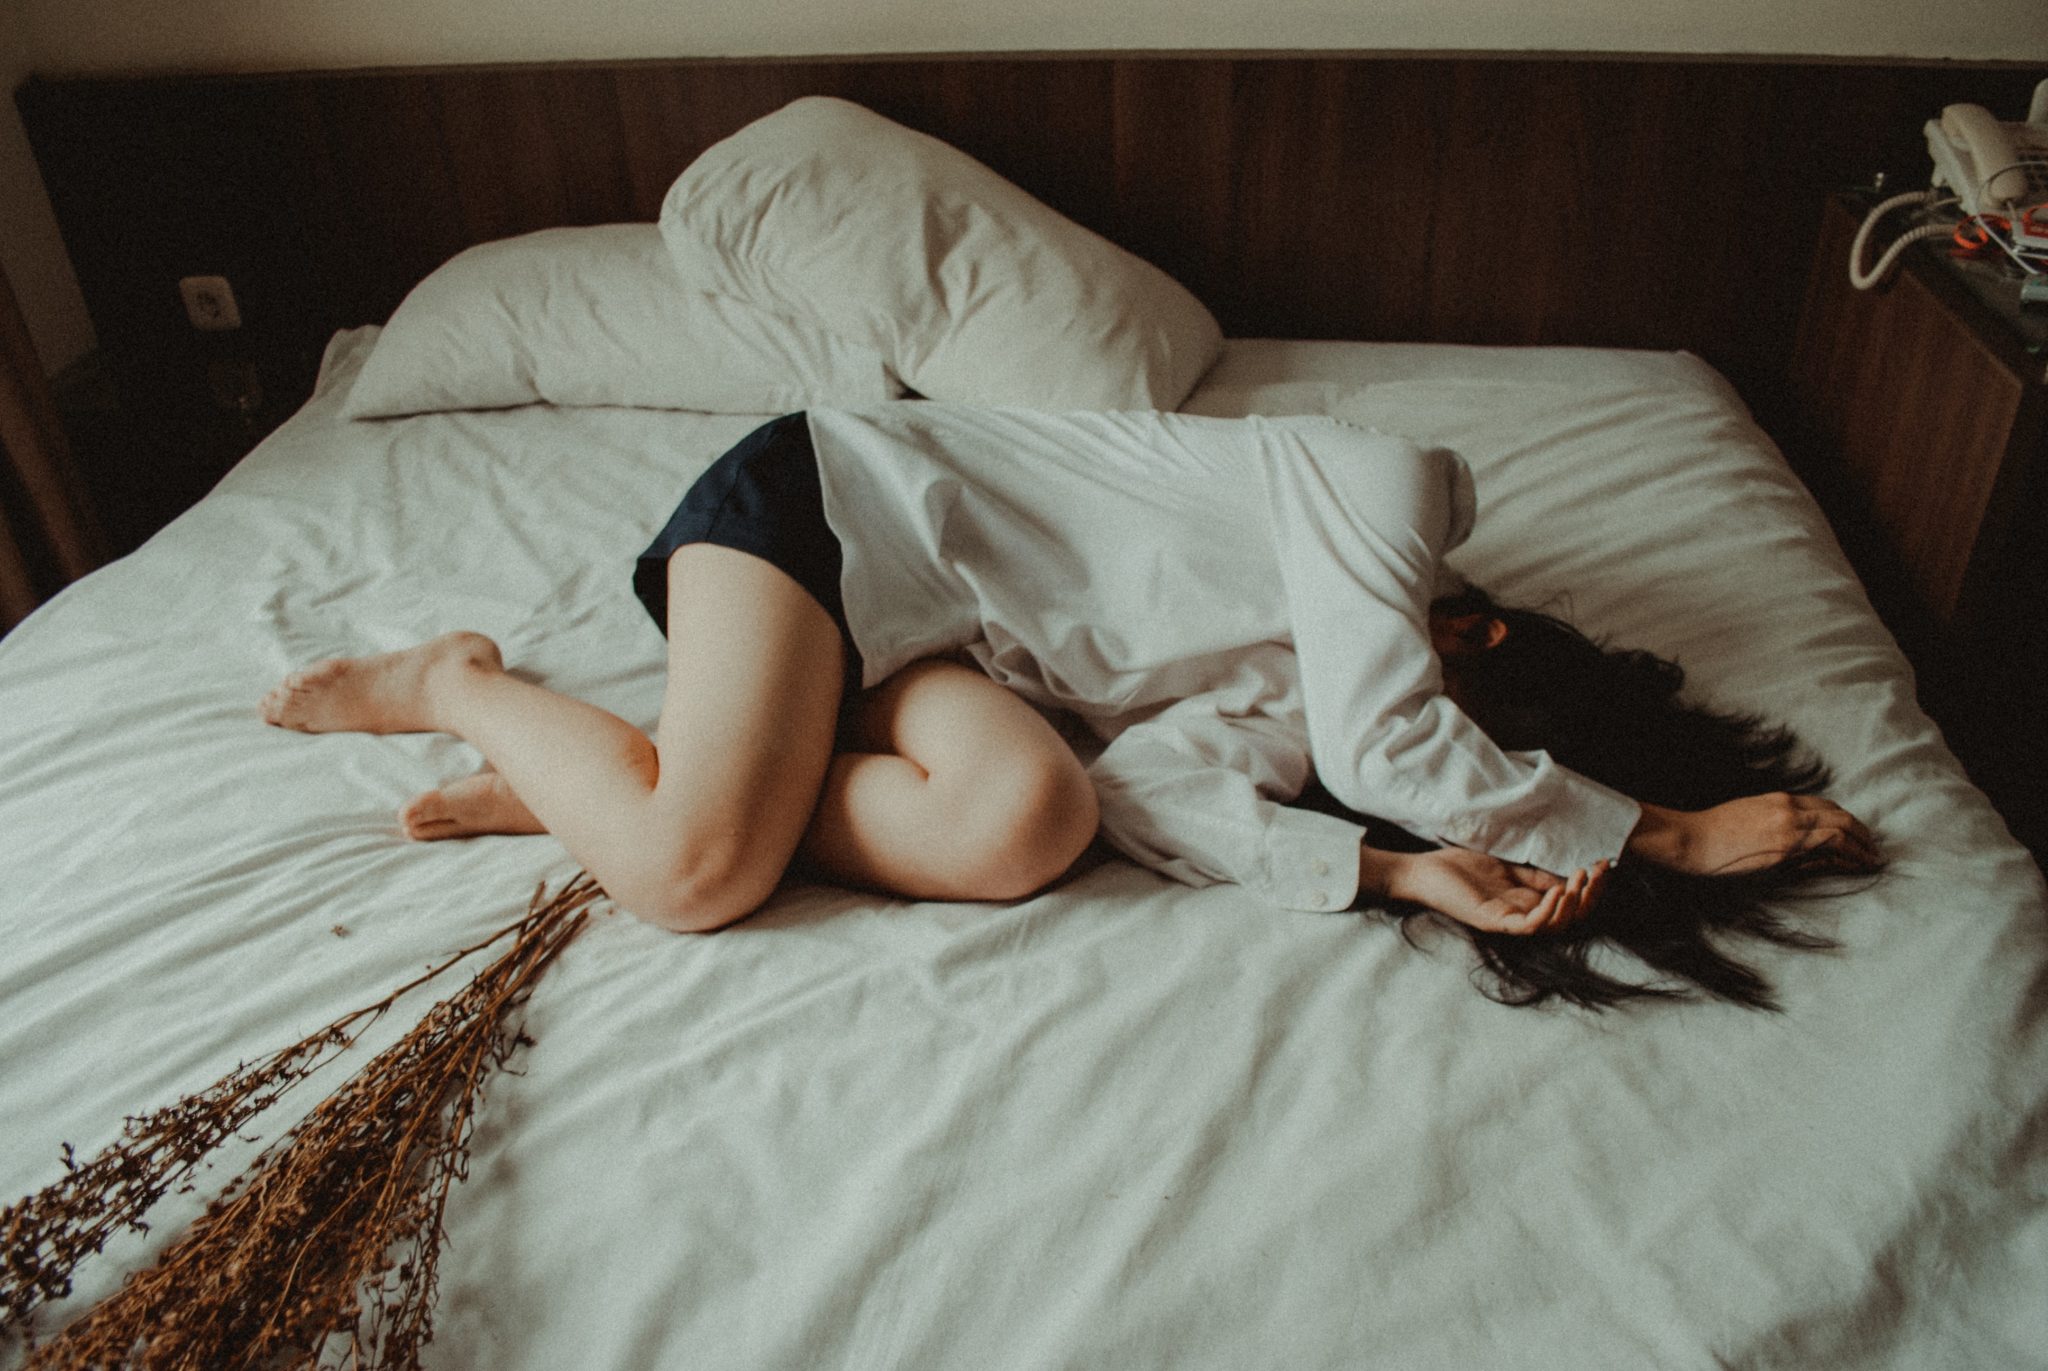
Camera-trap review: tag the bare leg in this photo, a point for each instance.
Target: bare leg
(958, 791)
(690, 830)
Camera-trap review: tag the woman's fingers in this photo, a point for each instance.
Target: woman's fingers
(1550, 908)
(1536, 901)
(1590, 887)
(1823, 823)
(1595, 885)
(1574, 898)
(1567, 900)
(1538, 918)
(1858, 840)
(1580, 892)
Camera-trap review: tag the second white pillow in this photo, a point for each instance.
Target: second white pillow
(599, 316)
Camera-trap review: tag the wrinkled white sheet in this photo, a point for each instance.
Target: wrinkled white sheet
(1123, 1125)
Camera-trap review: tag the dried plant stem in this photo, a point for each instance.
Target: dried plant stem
(333, 1231)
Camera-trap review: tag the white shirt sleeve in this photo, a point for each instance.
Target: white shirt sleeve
(1190, 793)
(1361, 522)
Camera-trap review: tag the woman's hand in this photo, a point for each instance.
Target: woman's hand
(1751, 834)
(1483, 892)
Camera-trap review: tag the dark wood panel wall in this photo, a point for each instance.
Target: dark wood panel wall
(1477, 199)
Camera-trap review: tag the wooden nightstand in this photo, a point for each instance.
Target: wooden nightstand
(1922, 426)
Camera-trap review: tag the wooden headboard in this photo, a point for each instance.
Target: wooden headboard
(1651, 203)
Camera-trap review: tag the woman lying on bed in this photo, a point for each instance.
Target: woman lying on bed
(862, 609)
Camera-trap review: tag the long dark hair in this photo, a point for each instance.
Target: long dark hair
(1616, 716)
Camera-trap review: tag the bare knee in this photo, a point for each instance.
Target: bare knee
(698, 887)
(1027, 822)
(1003, 807)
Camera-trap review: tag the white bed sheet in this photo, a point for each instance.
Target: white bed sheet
(1125, 1124)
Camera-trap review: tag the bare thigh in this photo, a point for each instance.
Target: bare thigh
(747, 725)
(950, 787)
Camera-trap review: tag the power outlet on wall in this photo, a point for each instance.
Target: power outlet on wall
(210, 303)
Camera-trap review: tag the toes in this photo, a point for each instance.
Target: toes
(427, 830)
(424, 811)
(276, 704)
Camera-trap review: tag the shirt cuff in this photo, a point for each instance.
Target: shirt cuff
(1312, 860)
(1594, 827)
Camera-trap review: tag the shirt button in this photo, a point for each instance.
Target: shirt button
(1321, 867)
(1320, 899)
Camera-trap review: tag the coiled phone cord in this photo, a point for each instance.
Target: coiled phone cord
(1864, 280)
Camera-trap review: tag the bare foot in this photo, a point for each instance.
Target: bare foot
(388, 693)
(482, 803)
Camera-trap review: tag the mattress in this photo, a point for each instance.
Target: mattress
(1125, 1123)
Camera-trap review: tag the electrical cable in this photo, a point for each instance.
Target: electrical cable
(2034, 166)
(2026, 264)
(1864, 280)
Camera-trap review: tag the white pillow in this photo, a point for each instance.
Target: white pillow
(597, 316)
(971, 289)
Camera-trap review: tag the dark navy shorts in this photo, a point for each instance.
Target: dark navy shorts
(761, 498)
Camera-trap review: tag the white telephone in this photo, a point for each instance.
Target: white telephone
(1992, 167)
(1997, 172)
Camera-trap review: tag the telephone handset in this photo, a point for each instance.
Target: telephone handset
(1990, 166)
(1998, 176)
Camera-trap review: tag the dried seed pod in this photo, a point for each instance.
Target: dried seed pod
(296, 1250)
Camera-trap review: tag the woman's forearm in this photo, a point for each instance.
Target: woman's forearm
(1378, 871)
(1752, 833)
(1475, 889)
(1663, 836)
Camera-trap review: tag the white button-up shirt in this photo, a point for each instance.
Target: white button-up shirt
(1230, 605)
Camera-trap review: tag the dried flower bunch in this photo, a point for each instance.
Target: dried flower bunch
(328, 1244)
